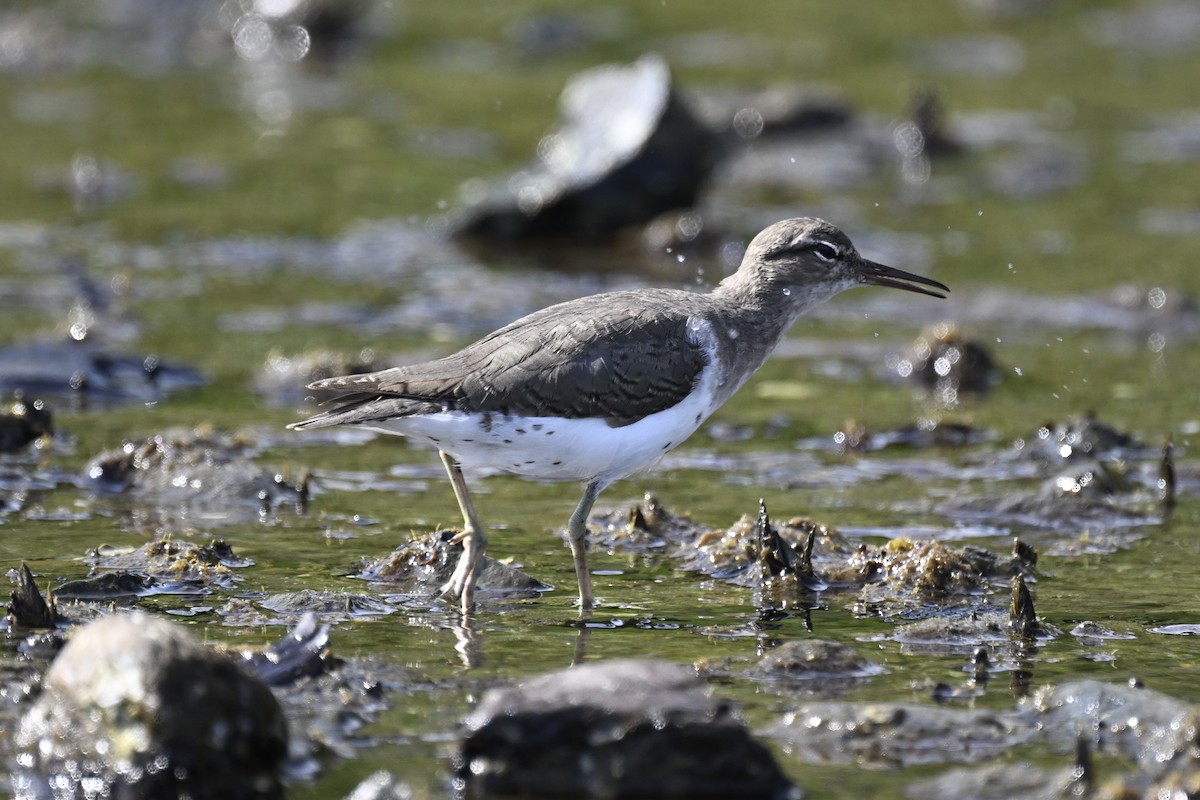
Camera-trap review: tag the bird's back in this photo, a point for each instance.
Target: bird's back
(618, 356)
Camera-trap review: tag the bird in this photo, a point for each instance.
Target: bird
(594, 389)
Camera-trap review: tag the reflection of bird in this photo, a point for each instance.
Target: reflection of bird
(594, 389)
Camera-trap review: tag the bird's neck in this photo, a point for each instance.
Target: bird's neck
(755, 314)
(763, 304)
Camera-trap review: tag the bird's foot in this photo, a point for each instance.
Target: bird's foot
(466, 572)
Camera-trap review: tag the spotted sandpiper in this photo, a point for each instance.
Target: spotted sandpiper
(594, 389)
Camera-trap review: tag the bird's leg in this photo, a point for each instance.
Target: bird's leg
(462, 582)
(577, 536)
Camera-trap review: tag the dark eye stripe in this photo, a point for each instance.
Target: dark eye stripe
(821, 249)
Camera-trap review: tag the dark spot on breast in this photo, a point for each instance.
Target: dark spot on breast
(485, 422)
(508, 441)
(698, 418)
(556, 463)
(520, 430)
(549, 433)
(667, 446)
(537, 426)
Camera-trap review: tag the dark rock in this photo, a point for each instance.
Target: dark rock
(629, 149)
(86, 376)
(134, 707)
(1083, 438)
(632, 728)
(106, 586)
(948, 364)
(304, 652)
(27, 608)
(25, 422)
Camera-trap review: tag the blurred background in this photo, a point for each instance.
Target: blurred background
(205, 204)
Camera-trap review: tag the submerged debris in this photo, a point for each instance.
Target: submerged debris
(746, 552)
(1016, 627)
(895, 734)
(326, 604)
(807, 660)
(623, 728)
(1094, 481)
(644, 527)
(79, 374)
(283, 378)
(175, 560)
(924, 433)
(200, 468)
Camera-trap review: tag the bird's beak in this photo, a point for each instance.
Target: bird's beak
(883, 275)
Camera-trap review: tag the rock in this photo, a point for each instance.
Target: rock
(895, 734)
(304, 652)
(628, 150)
(422, 566)
(85, 375)
(645, 527)
(1154, 730)
(948, 364)
(135, 707)
(174, 561)
(625, 728)
(25, 422)
(27, 608)
(106, 586)
(813, 659)
(196, 468)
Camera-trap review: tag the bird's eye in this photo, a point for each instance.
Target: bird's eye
(825, 251)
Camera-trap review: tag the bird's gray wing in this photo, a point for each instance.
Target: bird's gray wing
(578, 359)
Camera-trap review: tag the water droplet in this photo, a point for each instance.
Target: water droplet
(787, 292)
(1018, 371)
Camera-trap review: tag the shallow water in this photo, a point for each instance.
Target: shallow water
(168, 196)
